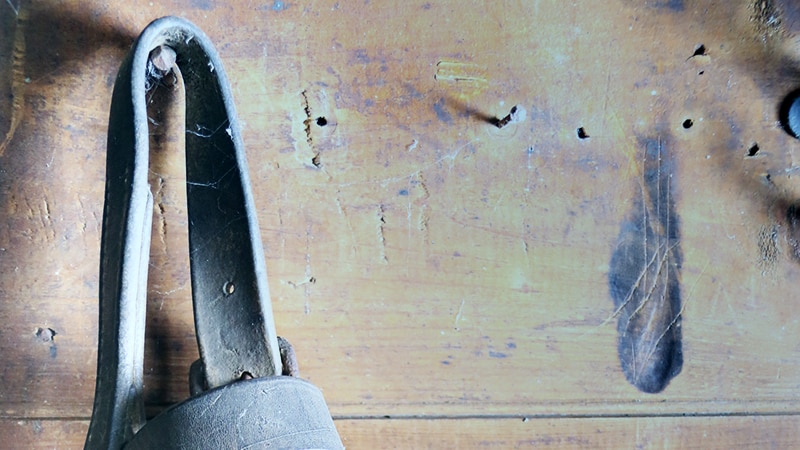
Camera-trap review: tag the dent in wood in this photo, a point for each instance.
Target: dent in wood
(644, 278)
(315, 160)
(319, 124)
(380, 234)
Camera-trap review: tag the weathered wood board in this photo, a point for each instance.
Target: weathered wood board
(643, 432)
(424, 263)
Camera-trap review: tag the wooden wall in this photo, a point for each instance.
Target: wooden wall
(446, 283)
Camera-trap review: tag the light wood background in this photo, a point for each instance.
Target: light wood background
(444, 282)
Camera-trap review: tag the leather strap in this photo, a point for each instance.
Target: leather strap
(233, 314)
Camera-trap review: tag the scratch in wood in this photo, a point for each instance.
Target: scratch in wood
(339, 203)
(315, 159)
(349, 223)
(46, 217)
(391, 180)
(607, 91)
(381, 237)
(422, 221)
(413, 145)
(408, 232)
(459, 72)
(307, 286)
(84, 224)
(627, 299)
(283, 200)
(162, 220)
(40, 215)
(649, 294)
(458, 316)
(499, 201)
(531, 151)
(423, 185)
(307, 280)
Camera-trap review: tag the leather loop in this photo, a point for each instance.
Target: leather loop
(233, 314)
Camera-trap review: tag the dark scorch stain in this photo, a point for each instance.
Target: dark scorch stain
(644, 275)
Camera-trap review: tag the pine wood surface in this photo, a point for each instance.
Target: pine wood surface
(701, 433)
(427, 266)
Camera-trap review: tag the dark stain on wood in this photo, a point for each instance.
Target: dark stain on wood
(644, 277)
(793, 230)
(672, 5)
(789, 14)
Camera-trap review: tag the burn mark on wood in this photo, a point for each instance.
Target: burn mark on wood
(644, 277)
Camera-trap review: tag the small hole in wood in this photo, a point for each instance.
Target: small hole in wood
(228, 288)
(688, 124)
(582, 134)
(45, 334)
(700, 50)
(753, 150)
(321, 121)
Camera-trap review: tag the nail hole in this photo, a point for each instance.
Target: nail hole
(687, 124)
(45, 334)
(700, 50)
(321, 121)
(582, 134)
(701, 72)
(753, 149)
(228, 288)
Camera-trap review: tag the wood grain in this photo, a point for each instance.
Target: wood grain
(422, 261)
(702, 433)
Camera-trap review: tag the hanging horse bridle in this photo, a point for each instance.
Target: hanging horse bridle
(243, 396)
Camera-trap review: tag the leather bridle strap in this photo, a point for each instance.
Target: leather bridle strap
(233, 314)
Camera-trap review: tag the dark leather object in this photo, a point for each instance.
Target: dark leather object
(233, 314)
